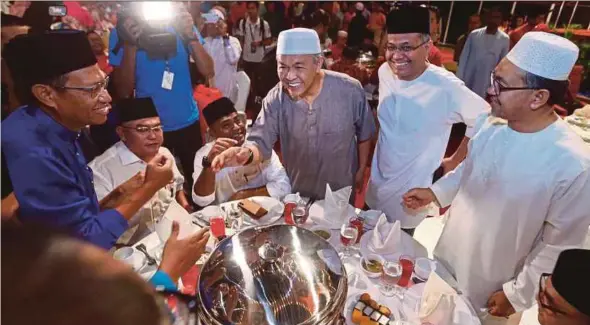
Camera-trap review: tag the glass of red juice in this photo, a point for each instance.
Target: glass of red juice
(407, 263)
(291, 201)
(358, 223)
(217, 226)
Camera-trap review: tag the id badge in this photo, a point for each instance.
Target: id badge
(167, 80)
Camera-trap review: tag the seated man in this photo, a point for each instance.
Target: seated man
(563, 295)
(82, 284)
(141, 136)
(229, 129)
(348, 65)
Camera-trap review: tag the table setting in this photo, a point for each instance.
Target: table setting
(336, 257)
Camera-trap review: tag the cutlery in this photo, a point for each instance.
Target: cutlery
(142, 248)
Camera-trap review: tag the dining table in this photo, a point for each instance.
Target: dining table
(358, 281)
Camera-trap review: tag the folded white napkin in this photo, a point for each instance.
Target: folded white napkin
(175, 213)
(438, 301)
(336, 207)
(386, 238)
(330, 257)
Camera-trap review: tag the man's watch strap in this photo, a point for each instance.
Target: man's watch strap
(205, 162)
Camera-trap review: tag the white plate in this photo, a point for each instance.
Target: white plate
(274, 207)
(353, 299)
(316, 214)
(406, 248)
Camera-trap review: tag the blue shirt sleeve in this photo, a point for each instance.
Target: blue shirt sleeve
(161, 279)
(115, 59)
(49, 192)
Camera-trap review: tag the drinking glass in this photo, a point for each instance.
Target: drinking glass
(390, 277)
(299, 215)
(217, 226)
(348, 236)
(407, 263)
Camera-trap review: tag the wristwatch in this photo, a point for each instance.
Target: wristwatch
(205, 162)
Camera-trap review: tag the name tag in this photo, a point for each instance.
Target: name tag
(167, 80)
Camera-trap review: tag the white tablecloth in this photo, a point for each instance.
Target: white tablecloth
(361, 282)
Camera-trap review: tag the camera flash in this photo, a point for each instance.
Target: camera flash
(157, 10)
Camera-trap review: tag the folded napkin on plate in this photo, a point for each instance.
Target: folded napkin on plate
(175, 213)
(438, 302)
(386, 237)
(336, 205)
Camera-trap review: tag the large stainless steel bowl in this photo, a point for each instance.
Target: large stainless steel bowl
(279, 274)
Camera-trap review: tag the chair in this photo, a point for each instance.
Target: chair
(243, 84)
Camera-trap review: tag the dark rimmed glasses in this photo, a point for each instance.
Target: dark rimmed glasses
(144, 129)
(93, 90)
(499, 88)
(404, 48)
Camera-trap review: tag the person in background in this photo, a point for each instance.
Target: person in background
(339, 46)
(320, 117)
(320, 21)
(358, 26)
(518, 21)
(100, 51)
(274, 17)
(473, 23)
(237, 11)
(562, 298)
(64, 90)
(484, 49)
(228, 129)
(140, 131)
(522, 195)
(11, 27)
(225, 51)
(254, 34)
(348, 65)
(535, 21)
(377, 24)
(368, 45)
(71, 282)
(349, 13)
(416, 125)
(141, 72)
(434, 54)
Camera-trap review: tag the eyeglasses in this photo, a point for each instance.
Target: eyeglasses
(177, 308)
(93, 90)
(544, 299)
(404, 48)
(144, 129)
(499, 88)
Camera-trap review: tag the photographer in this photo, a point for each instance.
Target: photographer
(150, 55)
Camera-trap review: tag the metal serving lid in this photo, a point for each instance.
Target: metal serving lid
(278, 274)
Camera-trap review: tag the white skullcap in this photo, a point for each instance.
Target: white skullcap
(545, 55)
(342, 33)
(217, 13)
(298, 41)
(359, 6)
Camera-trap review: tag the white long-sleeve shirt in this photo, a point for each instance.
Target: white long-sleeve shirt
(416, 119)
(518, 200)
(117, 165)
(226, 55)
(228, 181)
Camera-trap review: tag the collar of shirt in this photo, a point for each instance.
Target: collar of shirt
(255, 24)
(127, 156)
(50, 124)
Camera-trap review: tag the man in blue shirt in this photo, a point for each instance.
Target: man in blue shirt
(165, 77)
(64, 90)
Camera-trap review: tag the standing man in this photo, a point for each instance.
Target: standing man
(434, 54)
(473, 24)
(154, 62)
(63, 93)
(418, 104)
(339, 46)
(358, 26)
(484, 49)
(535, 17)
(321, 118)
(225, 51)
(140, 131)
(254, 34)
(523, 193)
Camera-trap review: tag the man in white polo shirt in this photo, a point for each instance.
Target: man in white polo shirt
(418, 104)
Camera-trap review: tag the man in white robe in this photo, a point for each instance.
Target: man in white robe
(418, 104)
(522, 195)
(484, 49)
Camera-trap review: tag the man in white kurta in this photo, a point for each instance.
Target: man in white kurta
(225, 51)
(522, 195)
(418, 104)
(483, 50)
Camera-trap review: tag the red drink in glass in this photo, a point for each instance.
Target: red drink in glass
(407, 264)
(189, 280)
(217, 226)
(358, 223)
(289, 206)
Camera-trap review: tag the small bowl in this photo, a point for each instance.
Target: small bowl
(372, 273)
(423, 267)
(322, 229)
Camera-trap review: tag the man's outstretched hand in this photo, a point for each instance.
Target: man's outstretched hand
(417, 198)
(232, 157)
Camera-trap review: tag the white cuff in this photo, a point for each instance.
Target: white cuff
(203, 201)
(443, 198)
